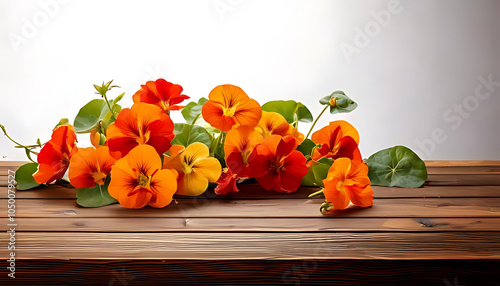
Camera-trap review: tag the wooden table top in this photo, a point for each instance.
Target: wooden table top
(446, 232)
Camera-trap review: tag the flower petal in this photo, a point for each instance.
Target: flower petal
(164, 185)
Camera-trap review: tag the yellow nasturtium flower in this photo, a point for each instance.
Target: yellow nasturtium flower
(195, 168)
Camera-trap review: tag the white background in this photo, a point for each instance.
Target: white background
(408, 70)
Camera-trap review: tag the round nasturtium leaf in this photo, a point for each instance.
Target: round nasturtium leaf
(89, 115)
(185, 134)
(317, 172)
(292, 111)
(398, 166)
(24, 177)
(94, 197)
(339, 102)
(192, 110)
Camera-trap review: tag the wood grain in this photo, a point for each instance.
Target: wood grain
(237, 246)
(189, 208)
(256, 272)
(301, 225)
(254, 191)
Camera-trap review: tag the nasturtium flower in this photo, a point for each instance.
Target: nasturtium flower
(273, 123)
(229, 106)
(277, 165)
(90, 166)
(138, 180)
(195, 168)
(238, 146)
(142, 124)
(347, 181)
(337, 139)
(55, 155)
(227, 182)
(162, 93)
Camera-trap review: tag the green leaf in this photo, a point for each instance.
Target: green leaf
(320, 169)
(24, 176)
(192, 111)
(341, 102)
(317, 173)
(186, 134)
(306, 147)
(97, 196)
(292, 111)
(396, 167)
(89, 116)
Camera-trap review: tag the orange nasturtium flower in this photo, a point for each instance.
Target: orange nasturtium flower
(162, 93)
(277, 165)
(229, 106)
(347, 181)
(54, 157)
(238, 146)
(195, 168)
(138, 180)
(142, 124)
(337, 139)
(89, 166)
(274, 123)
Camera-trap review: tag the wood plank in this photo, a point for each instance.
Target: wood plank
(286, 246)
(262, 272)
(479, 170)
(489, 179)
(189, 208)
(456, 163)
(254, 191)
(300, 225)
(463, 180)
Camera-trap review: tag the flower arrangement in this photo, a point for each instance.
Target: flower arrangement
(140, 157)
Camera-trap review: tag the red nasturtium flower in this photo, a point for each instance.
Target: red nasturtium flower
(347, 181)
(54, 157)
(238, 146)
(89, 166)
(138, 180)
(277, 165)
(229, 106)
(337, 139)
(162, 93)
(195, 168)
(227, 182)
(142, 124)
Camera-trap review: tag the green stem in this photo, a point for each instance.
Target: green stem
(315, 121)
(109, 106)
(15, 142)
(315, 193)
(195, 118)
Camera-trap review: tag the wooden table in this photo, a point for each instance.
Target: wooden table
(446, 233)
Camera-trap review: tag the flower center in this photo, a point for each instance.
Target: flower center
(244, 156)
(275, 166)
(164, 105)
(188, 164)
(228, 111)
(340, 186)
(143, 137)
(143, 180)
